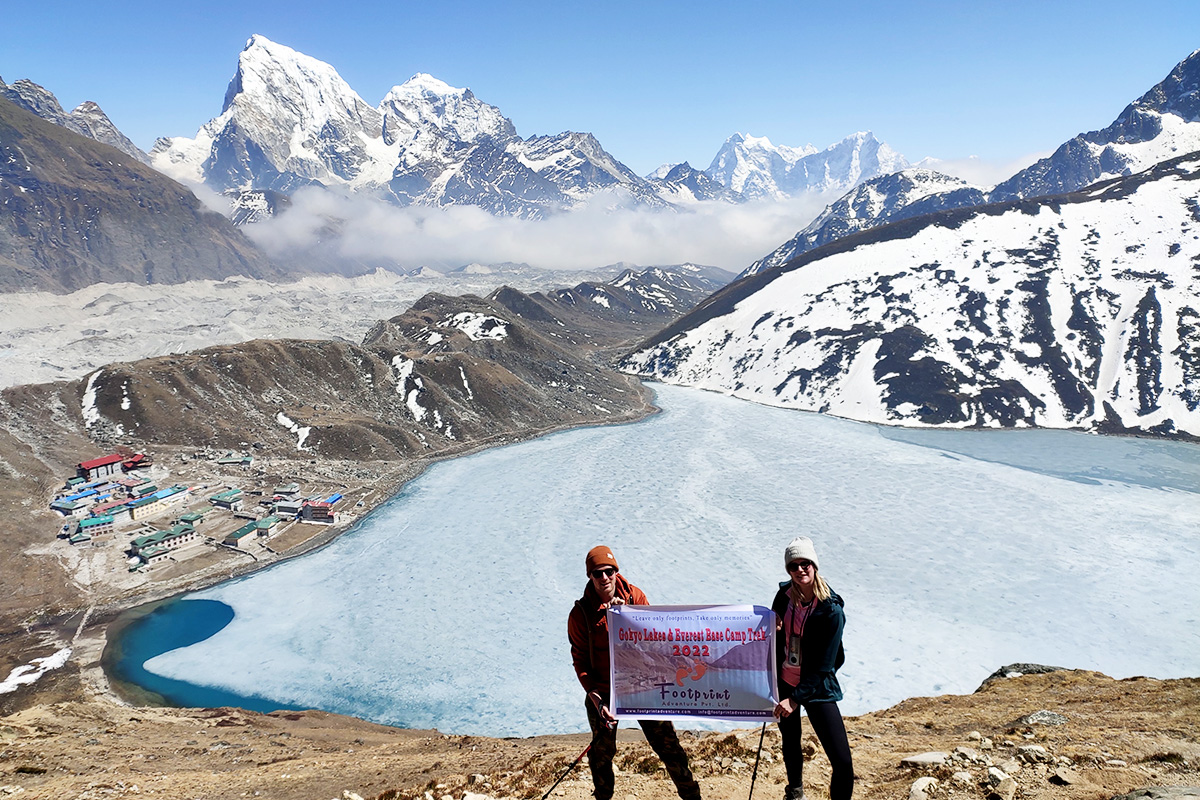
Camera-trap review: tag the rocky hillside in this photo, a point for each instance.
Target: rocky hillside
(607, 317)
(1071, 311)
(449, 372)
(78, 212)
(1064, 735)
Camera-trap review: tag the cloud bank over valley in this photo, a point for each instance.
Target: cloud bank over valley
(600, 232)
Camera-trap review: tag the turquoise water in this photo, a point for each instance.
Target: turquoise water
(180, 623)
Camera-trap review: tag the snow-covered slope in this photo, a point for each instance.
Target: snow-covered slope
(290, 120)
(756, 168)
(880, 200)
(88, 119)
(1162, 124)
(1080, 310)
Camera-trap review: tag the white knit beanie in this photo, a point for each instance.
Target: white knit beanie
(800, 548)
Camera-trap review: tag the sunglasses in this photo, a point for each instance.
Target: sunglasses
(796, 566)
(605, 572)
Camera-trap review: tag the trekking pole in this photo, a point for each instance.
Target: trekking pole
(757, 755)
(568, 772)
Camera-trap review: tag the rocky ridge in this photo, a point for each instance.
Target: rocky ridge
(87, 119)
(79, 212)
(1112, 738)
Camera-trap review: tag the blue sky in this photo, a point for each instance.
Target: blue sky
(654, 81)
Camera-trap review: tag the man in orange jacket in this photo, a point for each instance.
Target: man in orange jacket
(587, 629)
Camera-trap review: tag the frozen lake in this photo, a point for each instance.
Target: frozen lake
(957, 552)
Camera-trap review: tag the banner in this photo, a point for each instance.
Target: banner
(712, 662)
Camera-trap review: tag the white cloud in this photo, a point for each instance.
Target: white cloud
(982, 172)
(599, 233)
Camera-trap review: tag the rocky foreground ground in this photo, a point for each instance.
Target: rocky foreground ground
(1068, 735)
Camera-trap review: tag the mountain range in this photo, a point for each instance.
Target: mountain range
(1161, 124)
(290, 121)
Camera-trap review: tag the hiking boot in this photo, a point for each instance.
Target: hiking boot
(793, 793)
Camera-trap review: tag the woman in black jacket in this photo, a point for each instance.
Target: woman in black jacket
(808, 653)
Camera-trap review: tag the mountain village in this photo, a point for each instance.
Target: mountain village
(134, 513)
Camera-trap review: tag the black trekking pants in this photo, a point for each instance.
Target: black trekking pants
(662, 738)
(826, 722)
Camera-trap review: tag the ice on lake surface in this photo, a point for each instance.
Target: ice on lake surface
(956, 552)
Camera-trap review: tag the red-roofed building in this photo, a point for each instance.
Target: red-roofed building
(320, 512)
(137, 461)
(100, 467)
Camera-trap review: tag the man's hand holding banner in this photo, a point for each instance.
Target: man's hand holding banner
(711, 662)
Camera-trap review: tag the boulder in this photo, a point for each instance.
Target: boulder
(1064, 777)
(968, 754)
(923, 760)
(1033, 753)
(920, 788)
(1005, 790)
(996, 776)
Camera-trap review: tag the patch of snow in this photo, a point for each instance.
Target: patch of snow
(91, 414)
(466, 386)
(478, 326)
(295, 427)
(29, 673)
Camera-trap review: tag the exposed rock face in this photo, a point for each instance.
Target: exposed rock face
(1072, 311)
(77, 212)
(87, 119)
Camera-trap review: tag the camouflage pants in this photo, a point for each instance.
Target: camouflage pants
(662, 738)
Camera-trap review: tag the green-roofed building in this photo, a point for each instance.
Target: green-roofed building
(229, 499)
(243, 535)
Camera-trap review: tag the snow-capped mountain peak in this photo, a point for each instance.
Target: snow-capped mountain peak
(755, 167)
(297, 87)
(287, 117)
(423, 101)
